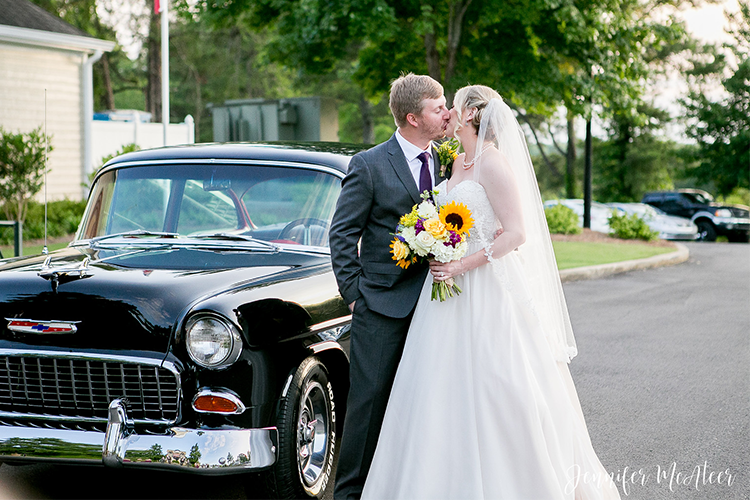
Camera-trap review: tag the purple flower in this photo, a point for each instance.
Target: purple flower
(418, 227)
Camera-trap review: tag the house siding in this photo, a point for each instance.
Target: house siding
(25, 72)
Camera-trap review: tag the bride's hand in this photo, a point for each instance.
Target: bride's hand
(442, 271)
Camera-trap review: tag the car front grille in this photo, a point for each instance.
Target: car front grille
(80, 389)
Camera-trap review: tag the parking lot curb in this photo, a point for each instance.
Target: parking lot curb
(593, 272)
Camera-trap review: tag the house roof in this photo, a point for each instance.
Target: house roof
(24, 14)
(23, 22)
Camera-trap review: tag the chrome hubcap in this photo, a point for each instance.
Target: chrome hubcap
(312, 434)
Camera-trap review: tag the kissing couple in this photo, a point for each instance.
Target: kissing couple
(469, 398)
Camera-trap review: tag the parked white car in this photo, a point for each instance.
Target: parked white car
(600, 213)
(669, 227)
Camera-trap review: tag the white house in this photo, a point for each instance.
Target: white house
(40, 51)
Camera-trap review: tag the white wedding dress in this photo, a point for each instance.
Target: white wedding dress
(480, 408)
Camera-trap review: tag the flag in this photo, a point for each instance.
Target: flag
(157, 8)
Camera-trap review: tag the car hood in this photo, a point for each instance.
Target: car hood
(127, 298)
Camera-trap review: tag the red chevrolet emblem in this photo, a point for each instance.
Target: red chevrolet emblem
(32, 326)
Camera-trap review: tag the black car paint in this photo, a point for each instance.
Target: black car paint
(139, 298)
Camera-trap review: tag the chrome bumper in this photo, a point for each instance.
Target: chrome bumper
(209, 451)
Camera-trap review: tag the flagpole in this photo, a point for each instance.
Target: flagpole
(164, 8)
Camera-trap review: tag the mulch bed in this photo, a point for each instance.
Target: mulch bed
(596, 237)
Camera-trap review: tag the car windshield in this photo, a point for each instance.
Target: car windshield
(242, 202)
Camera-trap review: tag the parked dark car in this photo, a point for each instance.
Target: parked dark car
(194, 324)
(713, 219)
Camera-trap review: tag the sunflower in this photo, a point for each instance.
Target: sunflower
(457, 217)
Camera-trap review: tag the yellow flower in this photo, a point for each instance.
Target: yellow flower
(457, 217)
(435, 227)
(404, 263)
(410, 219)
(400, 250)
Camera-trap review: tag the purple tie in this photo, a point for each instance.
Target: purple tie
(425, 181)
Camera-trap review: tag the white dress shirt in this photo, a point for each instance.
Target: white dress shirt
(415, 164)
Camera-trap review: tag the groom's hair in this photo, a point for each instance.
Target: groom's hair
(408, 93)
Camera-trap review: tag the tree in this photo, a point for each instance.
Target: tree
(721, 127)
(210, 64)
(22, 167)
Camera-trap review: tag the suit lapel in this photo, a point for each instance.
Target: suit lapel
(398, 162)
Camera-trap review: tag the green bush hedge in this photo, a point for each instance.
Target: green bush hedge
(631, 227)
(562, 220)
(62, 219)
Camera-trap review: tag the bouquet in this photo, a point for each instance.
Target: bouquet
(434, 232)
(447, 153)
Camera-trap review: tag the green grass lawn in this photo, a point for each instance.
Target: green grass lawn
(571, 254)
(33, 249)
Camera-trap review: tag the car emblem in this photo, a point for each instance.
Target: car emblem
(32, 326)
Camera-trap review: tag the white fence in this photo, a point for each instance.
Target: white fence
(108, 137)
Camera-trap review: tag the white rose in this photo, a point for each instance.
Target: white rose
(427, 210)
(423, 243)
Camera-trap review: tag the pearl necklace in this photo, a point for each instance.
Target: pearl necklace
(467, 166)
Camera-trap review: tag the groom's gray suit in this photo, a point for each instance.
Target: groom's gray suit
(378, 189)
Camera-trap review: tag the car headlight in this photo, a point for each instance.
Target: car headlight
(212, 341)
(723, 212)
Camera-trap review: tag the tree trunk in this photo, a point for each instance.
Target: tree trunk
(455, 25)
(109, 95)
(570, 158)
(587, 178)
(432, 55)
(368, 129)
(153, 73)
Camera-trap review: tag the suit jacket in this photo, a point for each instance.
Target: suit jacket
(377, 190)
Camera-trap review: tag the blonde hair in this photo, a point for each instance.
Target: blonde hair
(473, 96)
(408, 93)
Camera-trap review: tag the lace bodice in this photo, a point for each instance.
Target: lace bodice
(473, 195)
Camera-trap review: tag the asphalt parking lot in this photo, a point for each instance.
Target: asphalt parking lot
(662, 375)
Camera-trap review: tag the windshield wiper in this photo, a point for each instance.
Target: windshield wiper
(237, 237)
(135, 232)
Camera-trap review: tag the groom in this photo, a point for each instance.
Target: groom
(382, 184)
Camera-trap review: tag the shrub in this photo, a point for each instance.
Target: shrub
(562, 220)
(631, 227)
(62, 219)
(21, 170)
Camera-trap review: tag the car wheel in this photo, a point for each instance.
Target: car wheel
(307, 435)
(706, 230)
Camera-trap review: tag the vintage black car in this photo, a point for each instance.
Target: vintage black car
(713, 219)
(193, 324)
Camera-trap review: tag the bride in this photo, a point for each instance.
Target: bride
(483, 405)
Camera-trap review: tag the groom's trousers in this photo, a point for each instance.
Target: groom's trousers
(377, 342)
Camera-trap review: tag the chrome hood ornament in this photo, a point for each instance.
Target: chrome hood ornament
(63, 274)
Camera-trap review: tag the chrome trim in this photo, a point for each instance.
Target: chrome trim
(330, 324)
(221, 393)
(234, 352)
(232, 161)
(178, 449)
(67, 355)
(118, 426)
